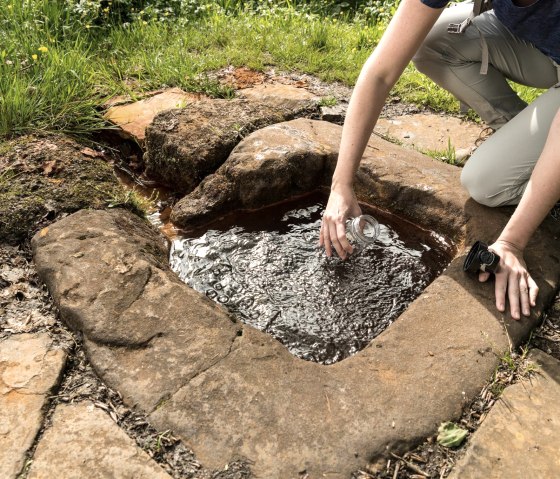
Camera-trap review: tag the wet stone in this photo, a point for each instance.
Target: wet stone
(268, 166)
(229, 390)
(83, 441)
(30, 367)
(519, 437)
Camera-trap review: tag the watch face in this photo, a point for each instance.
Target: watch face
(486, 257)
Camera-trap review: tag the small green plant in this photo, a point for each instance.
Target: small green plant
(328, 101)
(447, 156)
(132, 200)
(451, 435)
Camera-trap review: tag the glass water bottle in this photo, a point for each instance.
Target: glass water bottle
(362, 230)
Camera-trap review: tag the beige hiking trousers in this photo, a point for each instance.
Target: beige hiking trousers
(500, 168)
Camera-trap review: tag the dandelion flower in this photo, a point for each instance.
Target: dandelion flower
(34, 56)
(43, 49)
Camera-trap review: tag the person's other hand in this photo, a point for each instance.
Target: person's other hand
(513, 279)
(342, 205)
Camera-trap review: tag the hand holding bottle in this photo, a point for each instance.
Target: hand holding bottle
(341, 206)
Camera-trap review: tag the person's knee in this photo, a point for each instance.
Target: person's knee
(479, 188)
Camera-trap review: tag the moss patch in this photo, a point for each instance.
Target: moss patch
(44, 178)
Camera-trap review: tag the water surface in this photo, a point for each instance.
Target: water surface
(267, 269)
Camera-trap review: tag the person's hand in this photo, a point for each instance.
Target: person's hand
(342, 205)
(512, 278)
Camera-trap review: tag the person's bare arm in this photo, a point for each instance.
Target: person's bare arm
(541, 194)
(408, 28)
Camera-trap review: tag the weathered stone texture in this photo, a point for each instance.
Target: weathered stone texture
(290, 158)
(83, 442)
(430, 131)
(229, 390)
(519, 438)
(183, 146)
(30, 366)
(144, 330)
(268, 166)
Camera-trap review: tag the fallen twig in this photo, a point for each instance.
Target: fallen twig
(411, 466)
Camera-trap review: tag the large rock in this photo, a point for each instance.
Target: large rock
(42, 178)
(229, 390)
(115, 274)
(30, 367)
(268, 166)
(185, 145)
(83, 441)
(519, 437)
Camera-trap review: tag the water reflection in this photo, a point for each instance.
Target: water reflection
(270, 273)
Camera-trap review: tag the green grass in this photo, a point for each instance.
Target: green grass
(58, 66)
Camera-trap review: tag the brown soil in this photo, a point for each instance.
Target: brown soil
(43, 178)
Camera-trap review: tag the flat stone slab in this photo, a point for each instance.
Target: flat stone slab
(83, 441)
(430, 132)
(520, 436)
(276, 92)
(133, 118)
(229, 390)
(30, 366)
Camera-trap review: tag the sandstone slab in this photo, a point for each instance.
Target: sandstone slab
(287, 159)
(83, 441)
(183, 146)
(43, 178)
(277, 94)
(229, 390)
(519, 437)
(132, 118)
(30, 367)
(430, 132)
(141, 325)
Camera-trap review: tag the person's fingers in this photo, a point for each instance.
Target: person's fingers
(500, 289)
(343, 240)
(321, 230)
(327, 238)
(483, 276)
(335, 242)
(533, 291)
(524, 295)
(513, 294)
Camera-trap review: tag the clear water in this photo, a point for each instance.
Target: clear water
(266, 268)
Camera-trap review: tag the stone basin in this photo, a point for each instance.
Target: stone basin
(230, 391)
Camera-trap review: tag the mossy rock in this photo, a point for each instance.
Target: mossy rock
(42, 178)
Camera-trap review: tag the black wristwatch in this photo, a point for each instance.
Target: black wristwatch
(480, 258)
